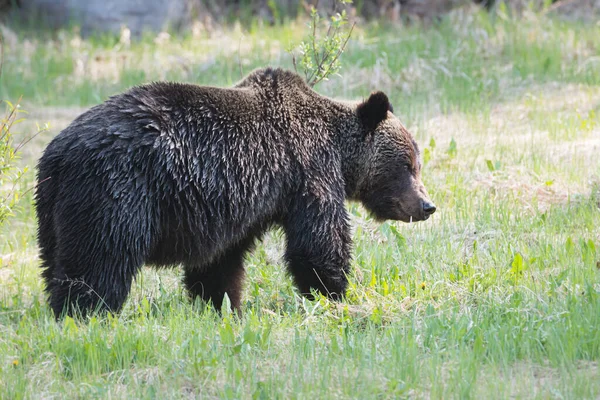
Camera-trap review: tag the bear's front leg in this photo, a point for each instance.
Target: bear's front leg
(318, 246)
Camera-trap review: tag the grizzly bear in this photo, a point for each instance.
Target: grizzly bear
(178, 174)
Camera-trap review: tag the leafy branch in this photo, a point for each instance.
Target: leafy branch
(10, 172)
(320, 56)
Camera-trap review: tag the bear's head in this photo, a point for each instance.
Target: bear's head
(389, 182)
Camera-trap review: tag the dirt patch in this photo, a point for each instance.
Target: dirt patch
(509, 153)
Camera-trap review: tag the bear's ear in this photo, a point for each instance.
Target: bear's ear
(374, 110)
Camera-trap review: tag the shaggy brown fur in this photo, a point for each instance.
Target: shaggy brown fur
(170, 173)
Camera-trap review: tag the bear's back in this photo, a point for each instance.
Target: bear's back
(209, 161)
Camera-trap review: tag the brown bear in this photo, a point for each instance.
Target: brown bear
(168, 173)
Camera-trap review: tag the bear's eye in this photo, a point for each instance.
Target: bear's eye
(407, 167)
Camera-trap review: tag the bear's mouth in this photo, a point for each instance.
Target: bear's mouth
(395, 213)
(392, 209)
(408, 217)
(412, 219)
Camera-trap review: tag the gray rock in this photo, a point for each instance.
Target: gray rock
(110, 15)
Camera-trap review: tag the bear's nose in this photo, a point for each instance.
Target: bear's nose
(428, 207)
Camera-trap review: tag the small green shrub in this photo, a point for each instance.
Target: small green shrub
(320, 54)
(10, 173)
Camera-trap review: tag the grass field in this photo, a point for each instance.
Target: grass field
(496, 296)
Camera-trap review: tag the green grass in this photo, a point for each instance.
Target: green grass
(497, 296)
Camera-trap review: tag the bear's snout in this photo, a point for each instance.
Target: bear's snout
(428, 208)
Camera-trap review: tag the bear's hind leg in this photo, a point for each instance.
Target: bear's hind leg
(96, 262)
(82, 286)
(45, 196)
(46, 244)
(224, 275)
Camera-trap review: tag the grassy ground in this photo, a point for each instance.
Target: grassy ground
(496, 296)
